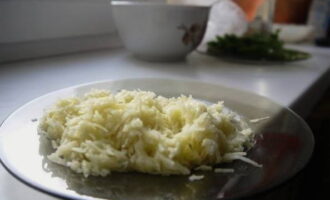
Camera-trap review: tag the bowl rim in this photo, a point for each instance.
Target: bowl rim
(155, 3)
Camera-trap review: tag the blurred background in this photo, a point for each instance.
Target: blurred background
(34, 28)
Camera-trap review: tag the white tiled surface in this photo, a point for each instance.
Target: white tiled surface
(296, 85)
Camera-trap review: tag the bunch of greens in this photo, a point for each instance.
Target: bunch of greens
(254, 46)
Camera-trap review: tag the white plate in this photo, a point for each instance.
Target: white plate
(284, 146)
(235, 59)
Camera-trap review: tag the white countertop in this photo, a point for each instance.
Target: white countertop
(297, 85)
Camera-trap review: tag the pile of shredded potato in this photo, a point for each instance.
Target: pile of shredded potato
(140, 131)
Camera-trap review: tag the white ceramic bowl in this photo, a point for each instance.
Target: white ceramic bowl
(293, 33)
(160, 32)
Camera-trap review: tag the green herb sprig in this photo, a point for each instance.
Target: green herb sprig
(254, 46)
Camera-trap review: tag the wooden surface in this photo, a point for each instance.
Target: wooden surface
(292, 11)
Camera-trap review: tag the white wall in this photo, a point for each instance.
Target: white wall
(28, 21)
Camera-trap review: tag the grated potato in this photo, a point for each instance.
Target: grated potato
(140, 131)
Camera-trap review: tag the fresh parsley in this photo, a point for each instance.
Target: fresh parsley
(254, 46)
